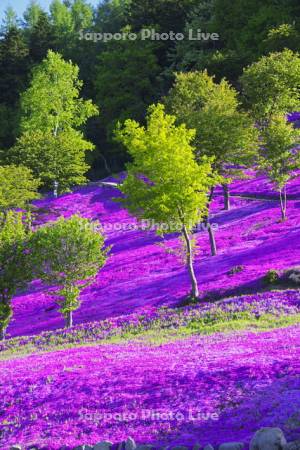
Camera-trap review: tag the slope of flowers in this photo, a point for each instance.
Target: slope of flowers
(197, 390)
(256, 184)
(143, 272)
(255, 306)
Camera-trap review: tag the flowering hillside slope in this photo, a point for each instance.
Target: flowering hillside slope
(203, 389)
(140, 272)
(258, 185)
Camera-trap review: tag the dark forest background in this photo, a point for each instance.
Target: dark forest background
(124, 77)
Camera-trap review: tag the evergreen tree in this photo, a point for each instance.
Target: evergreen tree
(111, 16)
(32, 14)
(10, 20)
(42, 38)
(122, 90)
(14, 68)
(166, 15)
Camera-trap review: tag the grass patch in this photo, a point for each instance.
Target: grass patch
(196, 328)
(158, 334)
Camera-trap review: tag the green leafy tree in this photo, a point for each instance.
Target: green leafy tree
(52, 101)
(279, 158)
(223, 132)
(164, 182)
(272, 85)
(15, 263)
(190, 92)
(51, 144)
(68, 253)
(82, 15)
(230, 137)
(17, 187)
(61, 17)
(53, 158)
(282, 37)
(67, 19)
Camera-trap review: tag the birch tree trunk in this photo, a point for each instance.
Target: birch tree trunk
(283, 202)
(226, 197)
(189, 261)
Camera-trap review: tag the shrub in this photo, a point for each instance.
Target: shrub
(271, 277)
(236, 269)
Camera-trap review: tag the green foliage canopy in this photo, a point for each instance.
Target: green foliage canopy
(51, 144)
(223, 131)
(15, 264)
(17, 187)
(279, 158)
(164, 183)
(272, 84)
(68, 253)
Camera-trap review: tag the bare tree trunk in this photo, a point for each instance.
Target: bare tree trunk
(2, 333)
(189, 261)
(212, 240)
(211, 194)
(211, 234)
(55, 189)
(105, 163)
(226, 197)
(69, 319)
(283, 202)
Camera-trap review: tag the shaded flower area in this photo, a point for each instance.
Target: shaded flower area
(258, 185)
(277, 304)
(202, 389)
(144, 271)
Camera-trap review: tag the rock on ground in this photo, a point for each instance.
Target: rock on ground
(268, 439)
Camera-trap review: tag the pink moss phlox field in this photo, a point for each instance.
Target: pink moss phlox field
(143, 270)
(221, 388)
(206, 389)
